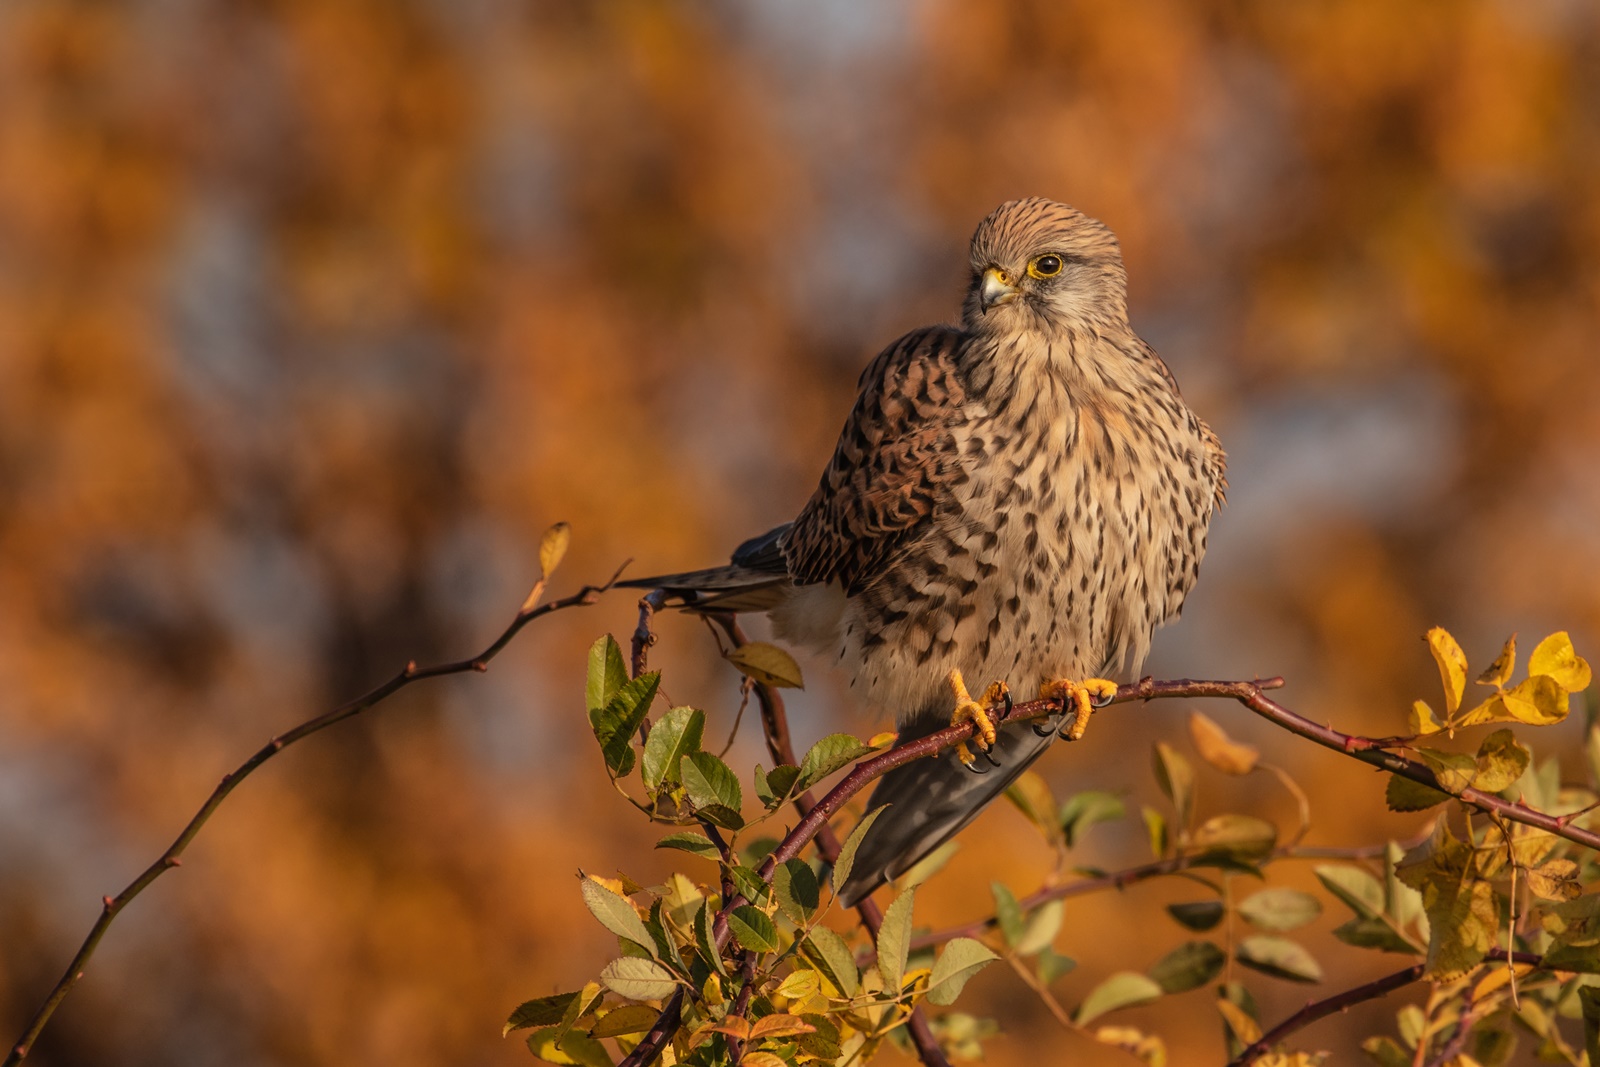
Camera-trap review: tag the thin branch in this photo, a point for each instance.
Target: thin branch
(111, 907)
(1321, 1009)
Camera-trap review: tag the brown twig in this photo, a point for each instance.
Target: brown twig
(775, 728)
(1321, 1009)
(111, 907)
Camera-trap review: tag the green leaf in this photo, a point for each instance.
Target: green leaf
(748, 884)
(961, 959)
(1585, 959)
(704, 926)
(1084, 810)
(713, 789)
(1360, 891)
(638, 979)
(929, 865)
(1176, 779)
(1386, 1052)
(1199, 915)
(616, 723)
(615, 913)
(1242, 836)
(1589, 1002)
(894, 940)
(690, 841)
(1040, 930)
(569, 1048)
(823, 1042)
(1006, 912)
(1122, 990)
(847, 851)
(543, 1011)
(827, 756)
(774, 786)
(607, 673)
(767, 664)
(1373, 933)
(795, 885)
(677, 734)
(1053, 965)
(1189, 966)
(753, 929)
(1501, 761)
(626, 1020)
(666, 947)
(1279, 957)
(1278, 910)
(832, 956)
(1403, 794)
(1030, 795)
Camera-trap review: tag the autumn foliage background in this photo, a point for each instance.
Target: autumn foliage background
(314, 313)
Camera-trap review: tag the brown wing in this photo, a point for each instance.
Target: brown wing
(896, 464)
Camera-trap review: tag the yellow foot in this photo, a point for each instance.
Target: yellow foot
(1081, 697)
(976, 711)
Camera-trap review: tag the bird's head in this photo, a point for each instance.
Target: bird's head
(1039, 266)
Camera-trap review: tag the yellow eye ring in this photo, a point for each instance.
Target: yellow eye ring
(1046, 266)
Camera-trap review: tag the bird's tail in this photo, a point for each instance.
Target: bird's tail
(756, 580)
(930, 800)
(729, 588)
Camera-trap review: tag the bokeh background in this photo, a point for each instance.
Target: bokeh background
(314, 313)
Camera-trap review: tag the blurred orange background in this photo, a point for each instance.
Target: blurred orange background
(314, 313)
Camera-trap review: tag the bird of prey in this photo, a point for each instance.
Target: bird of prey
(1023, 497)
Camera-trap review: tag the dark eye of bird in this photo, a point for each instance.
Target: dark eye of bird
(1046, 266)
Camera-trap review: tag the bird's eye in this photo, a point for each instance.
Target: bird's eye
(1046, 266)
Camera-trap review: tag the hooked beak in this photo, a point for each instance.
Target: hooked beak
(996, 290)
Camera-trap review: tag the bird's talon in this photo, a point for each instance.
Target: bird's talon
(1080, 698)
(969, 710)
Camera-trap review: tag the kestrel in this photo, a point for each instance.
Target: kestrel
(1022, 497)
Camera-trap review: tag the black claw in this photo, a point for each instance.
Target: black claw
(1043, 727)
(988, 754)
(973, 766)
(1006, 696)
(1103, 701)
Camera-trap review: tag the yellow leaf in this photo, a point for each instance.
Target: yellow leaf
(1497, 977)
(552, 547)
(767, 664)
(1452, 667)
(1220, 750)
(1246, 1029)
(1147, 1047)
(779, 1025)
(883, 740)
(1422, 720)
(1556, 657)
(1538, 701)
(1504, 664)
(1492, 710)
